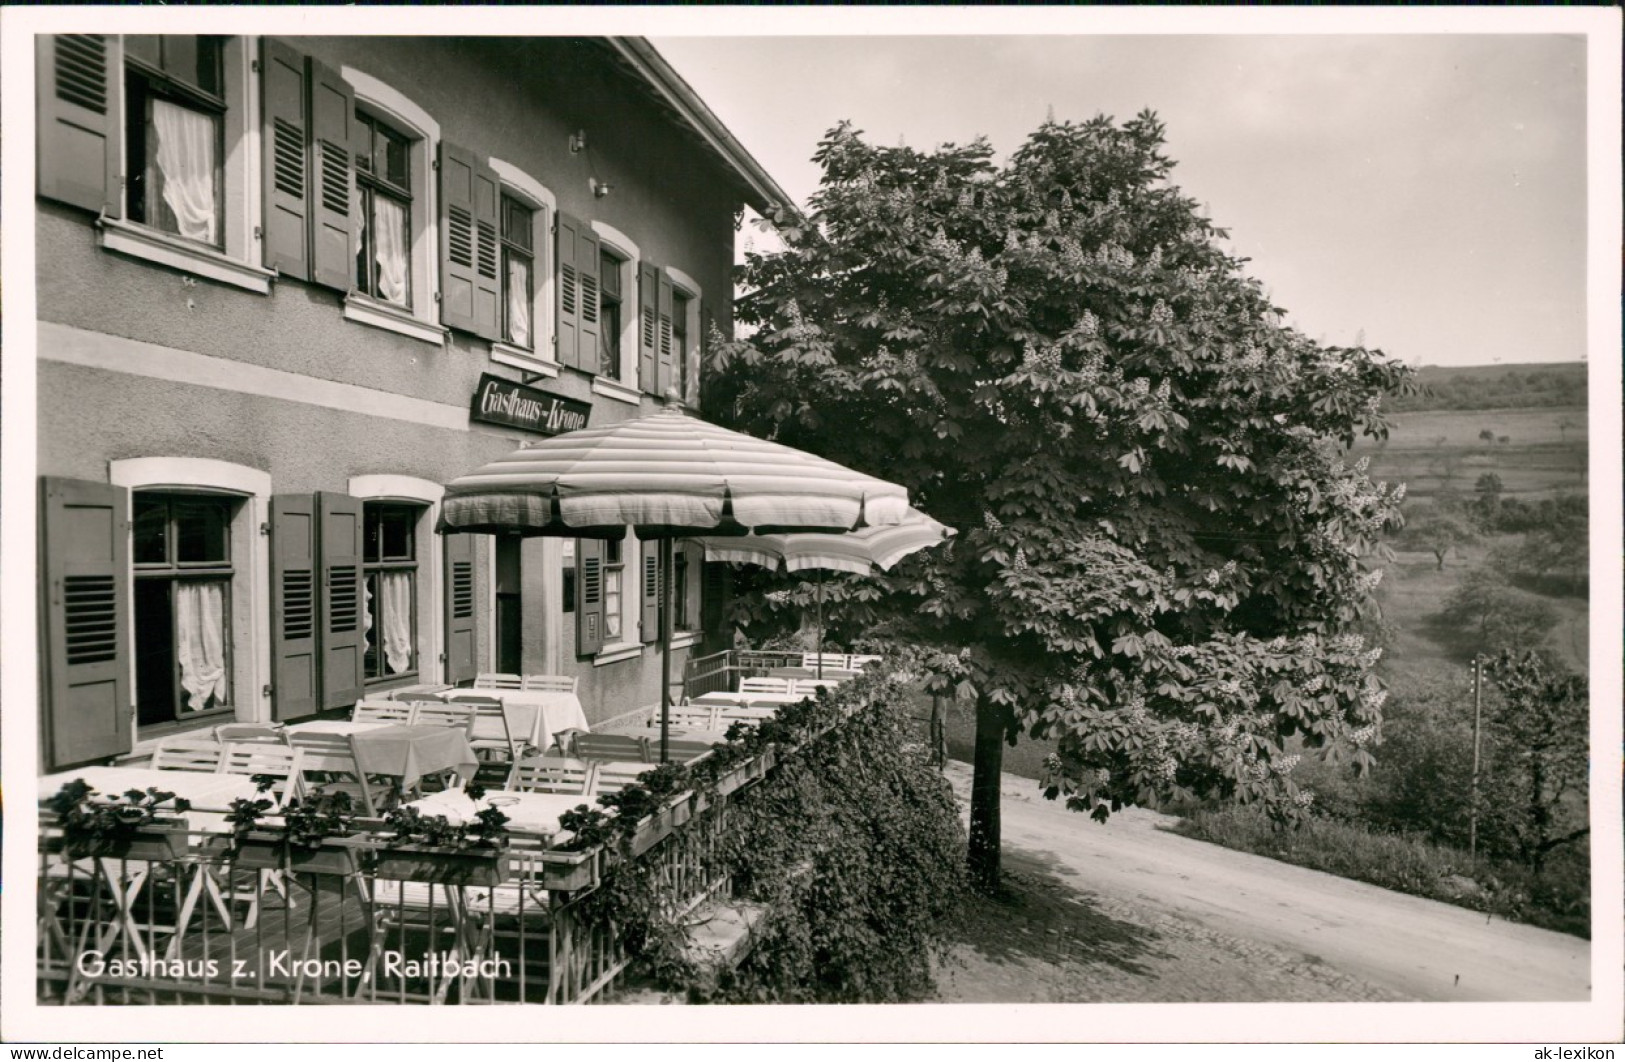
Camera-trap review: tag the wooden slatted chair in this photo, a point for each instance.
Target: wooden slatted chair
(809, 686)
(764, 685)
(611, 776)
(282, 762)
(590, 746)
(728, 715)
(550, 774)
(441, 713)
(829, 659)
(688, 717)
(496, 680)
(384, 712)
(558, 683)
(188, 754)
(328, 761)
(682, 750)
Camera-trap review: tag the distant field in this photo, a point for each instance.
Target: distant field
(1545, 451)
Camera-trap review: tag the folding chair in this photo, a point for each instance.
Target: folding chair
(550, 774)
(828, 659)
(285, 763)
(611, 776)
(689, 717)
(810, 686)
(494, 680)
(333, 756)
(764, 685)
(188, 754)
(442, 713)
(263, 733)
(558, 683)
(368, 710)
(589, 746)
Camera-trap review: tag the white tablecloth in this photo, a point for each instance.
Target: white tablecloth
(531, 813)
(210, 794)
(537, 714)
(751, 700)
(334, 726)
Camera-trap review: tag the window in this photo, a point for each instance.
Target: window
(509, 615)
(614, 572)
(181, 553)
(383, 214)
(679, 586)
(389, 565)
(609, 315)
(679, 341)
(518, 261)
(174, 116)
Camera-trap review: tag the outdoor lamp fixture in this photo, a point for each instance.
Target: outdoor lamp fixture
(578, 142)
(599, 188)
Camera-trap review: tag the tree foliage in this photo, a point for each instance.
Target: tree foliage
(1161, 554)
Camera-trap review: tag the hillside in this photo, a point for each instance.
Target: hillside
(1483, 387)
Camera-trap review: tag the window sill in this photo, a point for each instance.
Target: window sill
(138, 241)
(363, 310)
(520, 358)
(618, 391)
(614, 654)
(684, 639)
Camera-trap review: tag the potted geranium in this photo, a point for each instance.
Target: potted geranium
(418, 847)
(118, 826)
(316, 835)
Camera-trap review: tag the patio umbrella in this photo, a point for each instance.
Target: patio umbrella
(665, 475)
(859, 551)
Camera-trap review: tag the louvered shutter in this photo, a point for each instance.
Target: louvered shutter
(85, 608)
(77, 92)
(286, 155)
(589, 596)
(469, 285)
(648, 328)
(587, 259)
(650, 588)
(332, 178)
(343, 609)
(460, 659)
(666, 378)
(569, 282)
(294, 628)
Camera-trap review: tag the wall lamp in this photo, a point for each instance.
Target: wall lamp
(599, 188)
(578, 142)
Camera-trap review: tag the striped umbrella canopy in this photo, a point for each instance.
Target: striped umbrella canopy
(859, 551)
(665, 475)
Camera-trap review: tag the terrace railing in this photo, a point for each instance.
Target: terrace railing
(721, 672)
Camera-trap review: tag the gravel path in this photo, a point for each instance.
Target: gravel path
(1128, 912)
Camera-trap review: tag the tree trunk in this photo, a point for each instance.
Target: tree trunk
(984, 795)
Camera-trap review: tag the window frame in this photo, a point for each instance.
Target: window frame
(420, 320)
(506, 203)
(621, 246)
(685, 287)
(158, 85)
(611, 263)
(376, 509)
(236, 261)
(542, 356)
(369, 186)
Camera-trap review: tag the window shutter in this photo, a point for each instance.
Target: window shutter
(331, 178)
(77, 92)
(589, 596)
(649, 620)
(343, 610)
(648, 328)
(294, 629)
(286, 156)
(696, 563)
(587, 253)
(84, 541)
(460, 661)
(469, 286)
(667, 375)
(569, 315)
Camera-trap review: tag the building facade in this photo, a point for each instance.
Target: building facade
(287, 287)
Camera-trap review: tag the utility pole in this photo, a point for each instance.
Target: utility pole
(1478, 713)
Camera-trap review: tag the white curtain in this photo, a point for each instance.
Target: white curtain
(186, 152)
(519, 301)
(200, 635)
(389, 218)
(396, 590)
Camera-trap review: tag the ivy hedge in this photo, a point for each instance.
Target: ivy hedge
(853, 844)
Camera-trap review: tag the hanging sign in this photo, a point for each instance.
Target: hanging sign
(513, 405)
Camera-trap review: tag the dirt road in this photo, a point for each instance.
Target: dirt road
(1187, 920)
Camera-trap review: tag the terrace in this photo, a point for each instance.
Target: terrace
(514, 894)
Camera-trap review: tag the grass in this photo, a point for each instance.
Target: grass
(1545, 451)
(1558, 900)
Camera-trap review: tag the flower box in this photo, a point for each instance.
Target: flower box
(444, 866)
(267, 852)
(152, 844)
(571, 871)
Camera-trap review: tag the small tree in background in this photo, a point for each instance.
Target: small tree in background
(1498, 614)
(1439, 529)
(1161, 553)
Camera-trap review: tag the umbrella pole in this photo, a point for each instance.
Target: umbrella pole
(820, 657)
(664, 604)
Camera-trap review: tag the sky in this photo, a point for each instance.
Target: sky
(1426, 192)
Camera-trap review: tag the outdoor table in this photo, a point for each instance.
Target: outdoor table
(750, 700)
(537, 714)
(335, 726)
(410, 751)
(710, 737)
(529, 813)
(206, 790)
(417, 691)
